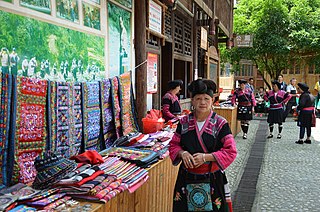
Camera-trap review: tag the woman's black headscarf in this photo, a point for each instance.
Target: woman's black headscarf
(202, 86)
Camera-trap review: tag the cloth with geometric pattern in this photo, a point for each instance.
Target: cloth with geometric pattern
(91, 115)
(65, 118)
(108, 126)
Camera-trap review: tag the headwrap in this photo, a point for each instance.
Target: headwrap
(174, 83)
(303, 86)
(202, 86)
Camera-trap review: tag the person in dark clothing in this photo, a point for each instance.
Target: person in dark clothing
(277, 99)
(246, 104)
(283, 85)
(204, 147)
(170, 101)
(306, 118)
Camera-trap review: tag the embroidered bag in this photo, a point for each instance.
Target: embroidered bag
(199, 195)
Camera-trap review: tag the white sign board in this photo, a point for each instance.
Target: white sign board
(155, 17)
(204, 38)
(244, 41)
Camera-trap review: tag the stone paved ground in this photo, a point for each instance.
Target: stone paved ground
(289, 179)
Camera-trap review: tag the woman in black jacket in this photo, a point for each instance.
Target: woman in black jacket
(306, 118)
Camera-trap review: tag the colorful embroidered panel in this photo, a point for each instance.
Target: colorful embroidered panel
(30, 126)
(66, 118)
(77, 119)
(107, 113)
(5, 101)
(91, 115)
(129, 123)
(116, 105)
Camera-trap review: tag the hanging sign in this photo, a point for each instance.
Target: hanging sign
(155, 17)
(152, 73)
(204, 38)
(244, 41)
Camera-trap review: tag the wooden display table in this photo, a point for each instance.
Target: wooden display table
(154, 195)
(230, 114)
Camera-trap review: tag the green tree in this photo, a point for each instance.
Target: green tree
(283, 30)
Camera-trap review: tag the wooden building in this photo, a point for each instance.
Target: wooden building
(187, 46)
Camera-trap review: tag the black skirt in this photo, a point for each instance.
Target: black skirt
(275, 116)
(244, 112)
(305, 119)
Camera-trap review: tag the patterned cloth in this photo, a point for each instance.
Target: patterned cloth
(91, 113)
(116, 105)
(107, 114)
(66, 118)
(129, 121)
(29, 126)
(5, 101)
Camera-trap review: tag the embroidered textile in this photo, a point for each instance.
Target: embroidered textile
(29, 126)
(116, 105)
(66, 118)
(91, 113)
(5, 101)
(107, 113)
(129, 123)
(133, 155)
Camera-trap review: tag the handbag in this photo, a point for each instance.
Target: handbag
(199, 195)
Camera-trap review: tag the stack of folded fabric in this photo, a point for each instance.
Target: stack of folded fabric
(130, 175)
(50, 169)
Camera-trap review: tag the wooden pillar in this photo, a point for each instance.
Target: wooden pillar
(195, 41)
(141, 56)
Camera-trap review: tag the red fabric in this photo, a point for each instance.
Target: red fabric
(88, 157)
(13, 205)
(87, 179)
(135, 140)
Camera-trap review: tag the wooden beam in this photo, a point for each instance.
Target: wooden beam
(140, 58)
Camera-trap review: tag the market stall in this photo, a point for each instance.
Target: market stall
(230, 114)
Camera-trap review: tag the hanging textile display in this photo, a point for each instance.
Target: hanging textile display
(5, 102)
(77, 118)
(29, 126)
(116, 105)
(91, 115)
(108, 128)
(129, 123)
(65, 127)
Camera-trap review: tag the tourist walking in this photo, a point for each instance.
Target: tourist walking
(246, 104)
(277, 98)
(292, 90)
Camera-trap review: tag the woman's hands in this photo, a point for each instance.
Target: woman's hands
(187, 159)
(192, 161)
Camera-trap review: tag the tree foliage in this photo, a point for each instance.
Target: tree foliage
(284, 31)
